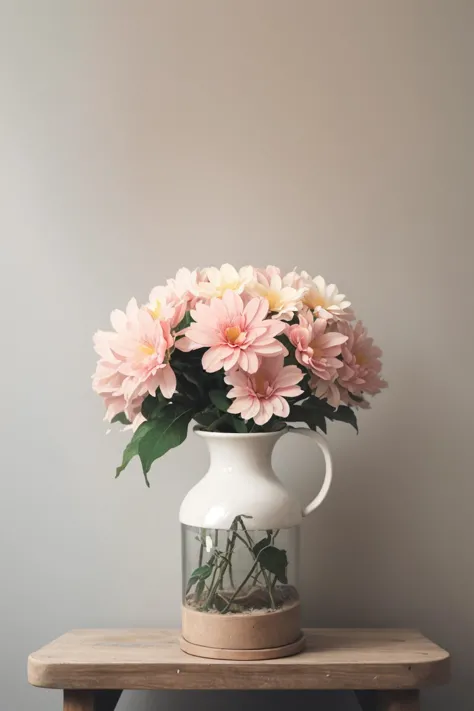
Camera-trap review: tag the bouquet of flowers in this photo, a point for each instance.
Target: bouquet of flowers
(237, 351)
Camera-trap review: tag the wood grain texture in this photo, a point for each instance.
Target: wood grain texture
(152, 659)
(90, 700)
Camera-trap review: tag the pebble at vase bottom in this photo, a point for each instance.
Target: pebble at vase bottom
(240, 548)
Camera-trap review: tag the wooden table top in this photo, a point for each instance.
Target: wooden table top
(152, 659)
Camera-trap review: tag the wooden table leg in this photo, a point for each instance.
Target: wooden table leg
(90, 700)
(398, 701)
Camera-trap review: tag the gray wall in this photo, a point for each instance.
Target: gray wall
(140, 136)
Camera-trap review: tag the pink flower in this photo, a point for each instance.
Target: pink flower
(143, 352)
(362, 364)
(360, 372)
(134, 361)
(262, 394)
(316, 348)
(108, 380)
(333, 392)
(235, 335)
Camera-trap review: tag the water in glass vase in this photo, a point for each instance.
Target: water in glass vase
(239, 570)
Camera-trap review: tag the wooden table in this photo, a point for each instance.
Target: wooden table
(385, 668)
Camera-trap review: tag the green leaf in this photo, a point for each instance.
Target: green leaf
(198, 575)
(222, 424)
(200, 589)
(195, 380)
(152, 405)
(263, 543)
(346, 414)
(122, 418)
(312, 416)
(202, 572)
(275, 561)
(169, 429)
(219, 399)
(132, 447)
(185, 321)
(239, 425)
(206, 417)
(313, 411)
(278, 425)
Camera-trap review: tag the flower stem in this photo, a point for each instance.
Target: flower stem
(228, 557)
(248, 576)
(202, 536)
(262, 569)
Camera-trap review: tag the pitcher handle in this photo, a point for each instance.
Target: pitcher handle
(321, 442)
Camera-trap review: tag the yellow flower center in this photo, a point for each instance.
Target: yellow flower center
(361, 359)
(156, 310)
(260, 384)
(313, 299)
(224, 286)
(274, 300)
(317, 351)
(147, 349)
(232, 333)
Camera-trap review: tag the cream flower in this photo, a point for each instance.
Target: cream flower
(162, 305)
(217, 281)
(324, 299)
(184, 287)
(283, 299)
(171, 301)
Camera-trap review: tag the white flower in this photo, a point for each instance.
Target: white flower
(184, 287)
(283, 299)
(227, 277)
(324, 299)
(159, 300)
(172, 300)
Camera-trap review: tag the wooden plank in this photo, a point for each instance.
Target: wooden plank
(152, 659)
(90, 700)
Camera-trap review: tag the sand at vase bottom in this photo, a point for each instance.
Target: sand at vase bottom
(252, 600)
(254, 628)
